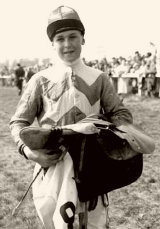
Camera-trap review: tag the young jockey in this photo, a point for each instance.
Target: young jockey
(61, 95)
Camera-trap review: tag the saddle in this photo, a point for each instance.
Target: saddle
(105, 157)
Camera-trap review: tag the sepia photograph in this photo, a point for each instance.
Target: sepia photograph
(79, 114)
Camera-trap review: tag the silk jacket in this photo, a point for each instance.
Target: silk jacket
(64, 94)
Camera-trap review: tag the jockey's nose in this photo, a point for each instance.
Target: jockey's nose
(67, 42)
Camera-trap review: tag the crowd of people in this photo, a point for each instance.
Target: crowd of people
(136, 74)
(19, 75)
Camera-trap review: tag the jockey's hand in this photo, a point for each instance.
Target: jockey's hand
(45, 157)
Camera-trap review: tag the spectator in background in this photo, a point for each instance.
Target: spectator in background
(19, 77)
(141, 77)
(137, 58)
(122, 80)
(30, 73)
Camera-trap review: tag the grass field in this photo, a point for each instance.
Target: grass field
(134, 207)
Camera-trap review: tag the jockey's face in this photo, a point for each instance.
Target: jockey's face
(67, 44)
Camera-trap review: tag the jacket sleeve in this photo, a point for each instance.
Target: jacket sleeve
(112, 106)
(27, 110)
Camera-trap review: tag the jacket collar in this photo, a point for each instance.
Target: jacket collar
(73, 65)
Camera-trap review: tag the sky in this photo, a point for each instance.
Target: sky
(113, 27)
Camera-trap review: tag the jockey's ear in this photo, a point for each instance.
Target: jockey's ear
(83, 41)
